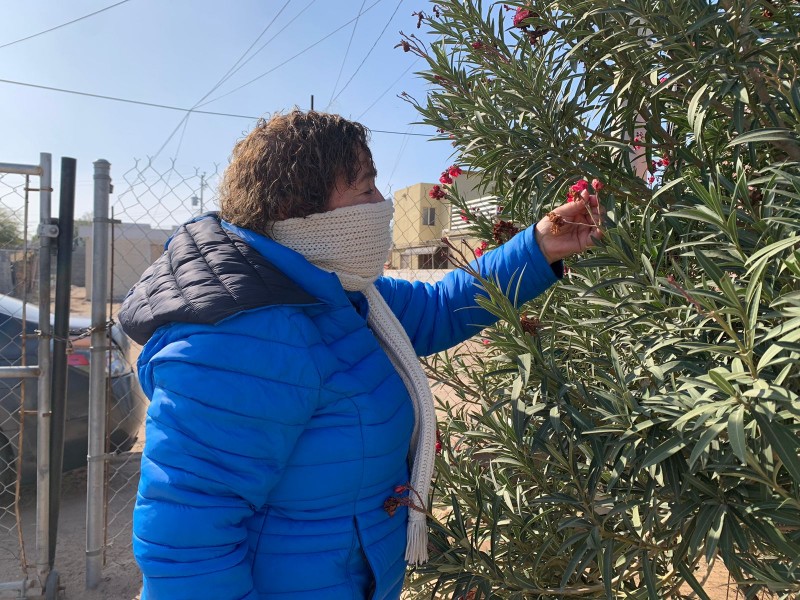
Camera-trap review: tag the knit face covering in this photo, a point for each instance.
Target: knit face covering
(353, 242)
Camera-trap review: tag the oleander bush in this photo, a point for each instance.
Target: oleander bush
(641, 418)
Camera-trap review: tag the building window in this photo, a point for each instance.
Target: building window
(429, 215)
(440, 260)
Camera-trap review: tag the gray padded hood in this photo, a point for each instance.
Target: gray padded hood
(205, 275)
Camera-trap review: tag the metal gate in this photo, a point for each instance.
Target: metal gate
(25, 372)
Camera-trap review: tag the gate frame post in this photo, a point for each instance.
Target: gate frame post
(95, 488)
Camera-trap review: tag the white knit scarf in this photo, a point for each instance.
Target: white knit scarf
(353, 242)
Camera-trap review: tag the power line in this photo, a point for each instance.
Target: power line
(265, 44)
(386, 91)
(6, 45)
(126, 100)
(163, 106)
(319, 41)
(185, 119)
(402, 149)
(366, 56)
(346, 52)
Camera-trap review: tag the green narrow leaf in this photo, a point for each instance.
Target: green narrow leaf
(648, 267)
(712, 540)
(796, 94)
(736, 434)
(668, 186)
(753, 301)
(738, 116)
(691, 112)
(709, 435)
(726, 285)
(687, 574)
(577, 554)
(607, 557)
(702, 523)
(769, 354)
(659, 454)
(710, 267)
(769, 134)
(769, 251)
(783, 442)
(649, 577)
(723, 384)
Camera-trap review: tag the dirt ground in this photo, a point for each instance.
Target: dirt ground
(121, 578)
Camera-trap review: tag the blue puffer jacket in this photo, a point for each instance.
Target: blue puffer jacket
(277, 426)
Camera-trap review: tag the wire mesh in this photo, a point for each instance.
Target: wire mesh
(148, 205)
(18, 277)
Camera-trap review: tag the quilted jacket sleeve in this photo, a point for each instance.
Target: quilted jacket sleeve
(226, 411)
(441, 315)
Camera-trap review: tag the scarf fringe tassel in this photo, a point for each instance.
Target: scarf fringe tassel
(417, 544)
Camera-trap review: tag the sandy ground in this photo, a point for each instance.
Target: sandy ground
(121, 579)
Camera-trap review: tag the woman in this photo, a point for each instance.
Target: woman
(286, 394)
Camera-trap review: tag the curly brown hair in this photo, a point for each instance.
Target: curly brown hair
(289, 165)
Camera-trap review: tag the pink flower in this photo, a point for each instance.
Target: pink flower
(438, 446)
(520, 16)
(665, 161)
(436, 192)
(579, 186)
(651, 179)
(635, 145)
(445, 178)
(477, 45)
(486, 342)
(454, 171)
(481, 249)
(597, 185)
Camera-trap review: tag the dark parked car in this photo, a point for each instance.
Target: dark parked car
(126, 404)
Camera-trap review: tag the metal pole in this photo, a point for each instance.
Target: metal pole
(26, 169)
(97, 377)
(47, 230)
(58, 398)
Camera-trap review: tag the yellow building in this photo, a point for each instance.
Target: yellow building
(420, 222)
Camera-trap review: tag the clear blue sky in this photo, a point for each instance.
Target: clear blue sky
(173, 52)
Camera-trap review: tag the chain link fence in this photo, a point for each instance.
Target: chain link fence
(17, 279)
(19, 360)
(147, 206)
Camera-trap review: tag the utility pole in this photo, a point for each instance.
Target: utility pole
(195, 199)
(312, 101)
